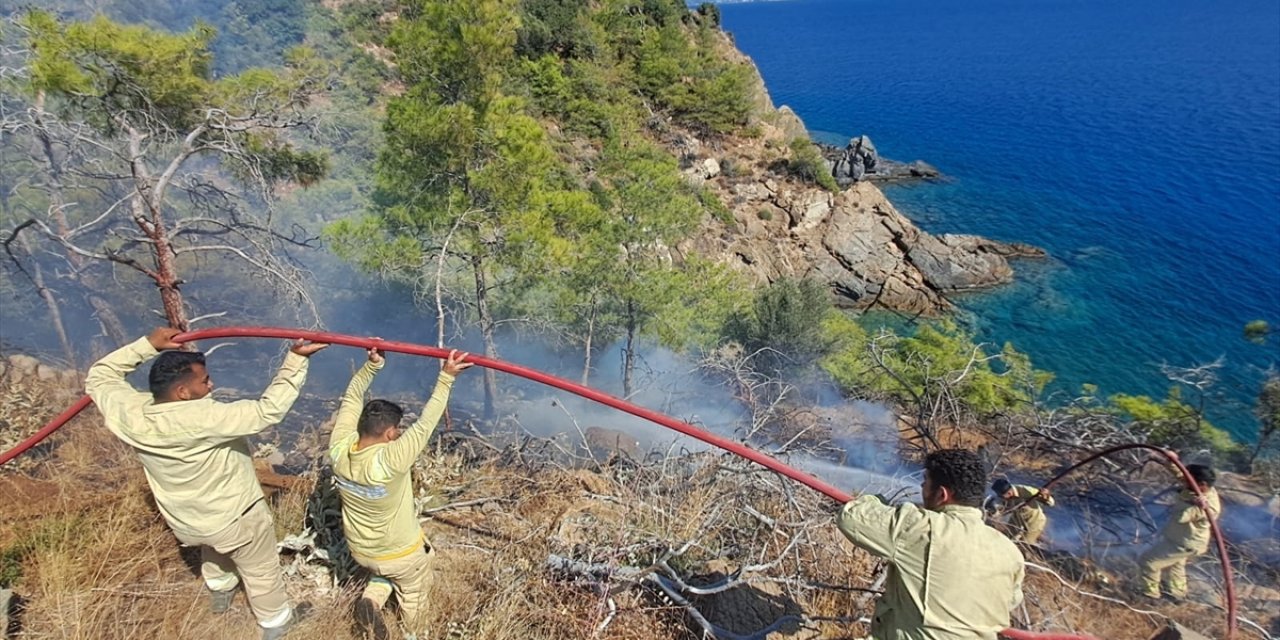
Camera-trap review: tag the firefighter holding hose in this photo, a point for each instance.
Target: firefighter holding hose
(197, 462)
(1185, 535)
(372, 458)
(1028, 519)
(950, 575)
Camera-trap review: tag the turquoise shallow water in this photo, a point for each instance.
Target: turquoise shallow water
(1138, 142)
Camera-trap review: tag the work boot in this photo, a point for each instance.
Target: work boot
(220, 601)
(275, 633)
(369, 621)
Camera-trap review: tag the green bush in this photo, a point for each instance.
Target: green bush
(715, 207)
(929, 363)
(784, 322)
(52, 532)
(708, 14)
(807, 164)
(556, 27)
(1175, 424)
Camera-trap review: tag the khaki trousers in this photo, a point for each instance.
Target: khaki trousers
(246, 547)
(1166, 556)
(1031, 528)
(409, 577)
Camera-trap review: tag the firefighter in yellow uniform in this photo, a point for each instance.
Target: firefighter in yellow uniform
(196, 460)
(372, 458)
(1185, 535)
(1028, 519)
(951, 576)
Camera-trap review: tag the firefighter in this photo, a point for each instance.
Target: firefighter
(950, 575)
(372, 458)
(1185, 535)
(1028, 519)
(196, 459)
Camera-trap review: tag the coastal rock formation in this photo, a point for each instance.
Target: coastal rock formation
(859, 160)
(856, 242)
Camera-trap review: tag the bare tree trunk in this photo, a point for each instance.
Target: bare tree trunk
(107, 318)
(55, 309)
(148, 215)
(486, 331)
(168, 283)
(629, 352)
(586, 352)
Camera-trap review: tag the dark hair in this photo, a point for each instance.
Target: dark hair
(378, 416)
(959, 470)
(171, 368)
(1001, 486)
(1202, 474)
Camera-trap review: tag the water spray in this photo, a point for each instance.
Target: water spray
(735, 448)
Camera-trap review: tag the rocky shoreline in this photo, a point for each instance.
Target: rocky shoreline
(854, 240)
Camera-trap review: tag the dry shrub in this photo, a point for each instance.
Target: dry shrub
(97, 561)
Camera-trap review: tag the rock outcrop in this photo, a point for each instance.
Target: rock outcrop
(859, 160)
(856, 242)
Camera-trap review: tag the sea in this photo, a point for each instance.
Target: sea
(1138, 142)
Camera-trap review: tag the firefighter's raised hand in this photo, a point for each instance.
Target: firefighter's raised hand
(456, 363)
(305, 348)
(161, 338)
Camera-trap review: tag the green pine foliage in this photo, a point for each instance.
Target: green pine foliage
(786, 324)
(1173, 423)
(807, 164)
(939, 359)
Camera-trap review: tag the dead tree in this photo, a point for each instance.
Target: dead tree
(169, 167)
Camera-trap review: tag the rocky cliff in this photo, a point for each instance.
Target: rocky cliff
(854, 240)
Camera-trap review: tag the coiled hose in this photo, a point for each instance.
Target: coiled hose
(617, 403)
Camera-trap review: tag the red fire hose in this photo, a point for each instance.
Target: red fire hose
(606, 399)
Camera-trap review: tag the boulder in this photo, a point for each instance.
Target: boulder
(791, 124)
(857, 160)
(750, 191)
(859, 245)
(807, 208)
(709, 168)
(922, 169)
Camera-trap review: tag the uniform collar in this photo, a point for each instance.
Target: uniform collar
(177, 405)
(961, 511)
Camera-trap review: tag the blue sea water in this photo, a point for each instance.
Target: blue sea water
(1138, 142)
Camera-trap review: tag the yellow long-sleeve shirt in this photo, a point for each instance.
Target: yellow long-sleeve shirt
(378, 513)
(1187, 526)
(951, 576)
(194, 452)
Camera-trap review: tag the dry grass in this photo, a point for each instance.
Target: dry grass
(97, 561)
